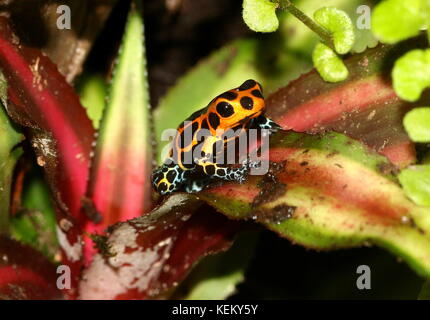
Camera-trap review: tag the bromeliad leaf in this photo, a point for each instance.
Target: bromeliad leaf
(40, 99)
(120, 186)
(364, 107)
(149, 256)
(25, 274)
(329, 192)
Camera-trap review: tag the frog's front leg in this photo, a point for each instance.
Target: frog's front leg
(168, 178)
(266, 123)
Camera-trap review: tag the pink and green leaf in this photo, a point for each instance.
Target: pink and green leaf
(328, 192)
(120, 186)
(365, 107)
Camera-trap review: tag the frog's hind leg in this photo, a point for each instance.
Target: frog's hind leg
(168, 178)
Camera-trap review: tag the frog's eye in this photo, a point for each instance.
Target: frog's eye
(224, 109)
(246, 103)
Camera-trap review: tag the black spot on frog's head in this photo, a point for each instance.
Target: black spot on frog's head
(248, 84)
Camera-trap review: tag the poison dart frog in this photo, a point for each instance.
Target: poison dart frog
(240, 109)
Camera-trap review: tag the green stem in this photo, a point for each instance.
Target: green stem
(322, 32)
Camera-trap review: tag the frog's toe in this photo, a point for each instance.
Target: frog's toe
(248, 163)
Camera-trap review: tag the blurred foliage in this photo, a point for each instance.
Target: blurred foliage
(10, 152)
(397, 20)
(92, 90)
(34, 223)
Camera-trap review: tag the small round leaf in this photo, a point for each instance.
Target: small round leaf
(417, 124)
(411, 74)
(340, 25)
(328, 64)
(415, 181)
(260, 15)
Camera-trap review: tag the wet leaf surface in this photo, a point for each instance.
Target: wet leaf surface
(148, 256)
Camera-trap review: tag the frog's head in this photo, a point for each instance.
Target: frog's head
(236, 106)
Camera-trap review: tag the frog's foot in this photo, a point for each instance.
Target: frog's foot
(167, 178)
(267, 125)
(251, 163)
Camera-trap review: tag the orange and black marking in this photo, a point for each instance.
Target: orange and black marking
(238, 109)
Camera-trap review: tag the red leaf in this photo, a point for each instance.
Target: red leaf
(148, 256)
(60, 131)
(25, 274)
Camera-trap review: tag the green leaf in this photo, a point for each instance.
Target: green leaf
(92, 91)
(329, 65)
(411, 74)
(260, 15)
(35, 224)
(340, 25)
(417, 124)
(9, 155)
(415, 181)
(396, 20)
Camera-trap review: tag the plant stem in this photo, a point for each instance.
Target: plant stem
(323, 33)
